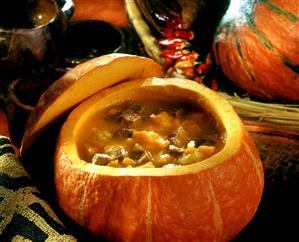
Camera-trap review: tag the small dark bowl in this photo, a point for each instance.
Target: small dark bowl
(86, 39)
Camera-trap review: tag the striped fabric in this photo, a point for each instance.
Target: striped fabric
(24, 216)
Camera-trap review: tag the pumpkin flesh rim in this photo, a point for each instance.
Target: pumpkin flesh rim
(218, 107)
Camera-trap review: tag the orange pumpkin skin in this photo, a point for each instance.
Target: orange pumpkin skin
(257, 45)
(213, 204)
(4, 129)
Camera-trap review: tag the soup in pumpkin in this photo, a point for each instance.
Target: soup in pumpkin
(150, 133)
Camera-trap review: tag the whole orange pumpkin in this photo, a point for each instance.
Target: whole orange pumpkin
(257, 47)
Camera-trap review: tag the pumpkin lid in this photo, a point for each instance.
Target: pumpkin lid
(80, 83)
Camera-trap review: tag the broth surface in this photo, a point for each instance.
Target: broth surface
(149, 133)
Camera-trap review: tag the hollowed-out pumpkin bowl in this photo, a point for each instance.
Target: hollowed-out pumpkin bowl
(211, 200)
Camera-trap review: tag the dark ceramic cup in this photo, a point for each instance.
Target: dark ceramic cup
(86, 39)
(31, 33)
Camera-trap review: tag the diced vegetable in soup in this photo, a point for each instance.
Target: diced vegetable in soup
(150, 133)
